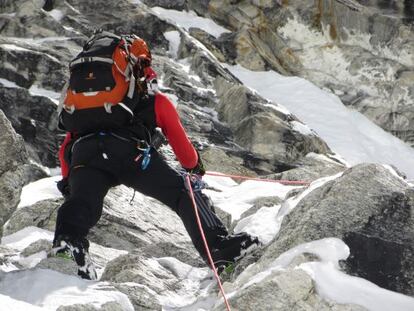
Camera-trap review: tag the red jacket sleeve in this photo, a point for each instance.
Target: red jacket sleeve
(168, 120)
(64, 166)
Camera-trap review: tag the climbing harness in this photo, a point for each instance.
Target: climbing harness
(156, 141)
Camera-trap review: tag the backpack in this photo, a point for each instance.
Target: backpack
(103, 90)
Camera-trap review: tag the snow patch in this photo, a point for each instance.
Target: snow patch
(57, 15)
(347, 132)
(301, 128)
(35, 90)
(8, 83)
(13, 47)
(40, 190)
(23, 238)
(50, 289)
(263, 224)
(276, 107)
(190, 19)
(8, 303)
(394, 172)
(191, 279)
(235, 198)
(335, 285)
(174, 39)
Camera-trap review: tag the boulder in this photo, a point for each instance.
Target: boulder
(15, 172)
(12, 150)
(178, 5)
(41, 245)
(371, 209)
(108, 306)
(144, 267)
(35, 119)
(141, 297)
(41, 214)
(311, 167)
(284, 290)
(263, 129)
(142, 222)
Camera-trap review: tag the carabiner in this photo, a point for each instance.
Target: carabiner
(146, 159)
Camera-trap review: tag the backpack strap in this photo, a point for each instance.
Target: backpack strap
(62, 97)
(132, 61)
(90, 59)
(126, 108)
(98, 34)
(108, 108)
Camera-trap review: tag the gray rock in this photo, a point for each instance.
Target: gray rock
(217, 159)
(371, 210)
(109, 306)
(285, 290)
(259, 203)
(262, 129)
(141, 297)
(14, 172)
(311, 167)
(168, 4)
(143, 222)
(61, 265)
(199, 6)
(35, 119)
(12, 149)
(209, 42)
(36, 247)
(11, 184)
(142, 267)
(41, 214)
(6, 254)
(186, 88)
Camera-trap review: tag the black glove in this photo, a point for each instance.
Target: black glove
(63, 187)
(199, 168)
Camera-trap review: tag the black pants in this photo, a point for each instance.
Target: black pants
(103, 161)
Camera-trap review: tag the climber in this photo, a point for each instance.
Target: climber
(109, 145)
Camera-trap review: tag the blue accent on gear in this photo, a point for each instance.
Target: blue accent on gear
(146, 159)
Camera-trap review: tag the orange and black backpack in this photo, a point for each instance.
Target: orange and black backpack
(105, 82)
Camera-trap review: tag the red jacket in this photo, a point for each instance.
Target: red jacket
(168, 120)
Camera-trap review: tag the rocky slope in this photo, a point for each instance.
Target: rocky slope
(141, 248)
(360, 50)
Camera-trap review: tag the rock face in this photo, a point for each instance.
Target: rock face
(41, 214)
(44, 67)
(372, 211)
(35, 119)
(15, 170)
(263, 129)
(362, 51)
(12, 149)
(141, 246)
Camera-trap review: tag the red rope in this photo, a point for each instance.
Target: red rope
(205, 243)
(278, 181)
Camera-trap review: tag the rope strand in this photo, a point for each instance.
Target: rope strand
(278, 181)
(190, 189)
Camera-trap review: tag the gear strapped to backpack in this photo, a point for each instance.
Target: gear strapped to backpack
(102, 90)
